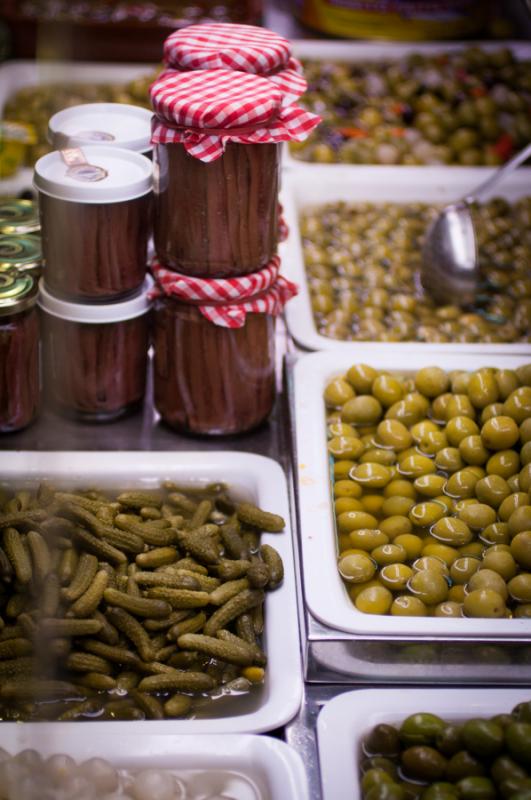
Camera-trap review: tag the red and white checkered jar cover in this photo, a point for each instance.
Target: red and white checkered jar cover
(205, 109)
(227, 301)
(245, 48)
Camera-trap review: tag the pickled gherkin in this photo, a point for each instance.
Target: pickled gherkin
(157, 595)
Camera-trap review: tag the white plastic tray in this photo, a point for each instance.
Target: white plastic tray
(303, 190)
(346, 719)
(249, 476)
(352, 52)
(19, 73)
(275, 769)
(325, 594)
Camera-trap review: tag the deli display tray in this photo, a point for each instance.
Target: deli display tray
(267, 768)
(344, 721)
(23, 73)
(352, 52)
(251, 477)
(378, 184)
(339, 642)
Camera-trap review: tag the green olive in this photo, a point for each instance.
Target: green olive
(375, 777)
(420, 728)
(374, 600)
(421, 762)
(386, 791)
(501, 562)
(500, 433)
(341, 429)
(345, 447)
(492, 489)
(406, 412)
(462, 765)
(432, 381)
(442, 552)
(473, 450)
(493, 410)
(382, 740)
(362, 410)
(356, 568)
(452, 531)
(430, 563)
(483, 738)
(448, 609)
(476, 787)
(488, 579)
(520, 520)
(361, 377)
(510, 505)
(394, 576)
(439, 407)
(387, 390)
(459, 405)
(449, 460)
(421, 429)
(518, 404)
(504, 463)
(367, 538)
(430, 485)
(378, 455)
(416, 465)
(484, 603)
(393, 433)
(525, 430)
(429, 586)
(408, 606)
(386, 554)
(463, 568)
(521, 549)
(354, 520)
(411, 543)
(477, 515)
(426, 514)
(337, 392)
(440, 790)
(375, 476)
(482, 389)
(347, 488)
(462, 483)
(396, 506)
(342, 504)
(507, 381)
(432, 442)
(448, 741)
(400, 487)
(497, 533)
(518, 741)
(524, 478)
(458, 428)
(519, 587)
(395, 525)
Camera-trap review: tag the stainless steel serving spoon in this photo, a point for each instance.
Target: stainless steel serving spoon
(449, 267)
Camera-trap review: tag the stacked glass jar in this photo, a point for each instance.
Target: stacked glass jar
(95, 207)
(222, 108)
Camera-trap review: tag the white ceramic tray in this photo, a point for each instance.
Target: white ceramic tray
(20, 73)
(303, 190)
(346, 719)
(249, 476)
(275, 770)
(325, 594)
(352, 52)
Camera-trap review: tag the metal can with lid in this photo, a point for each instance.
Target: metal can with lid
(19, 351)
(22, 253)
(95, 355)
(114, 124)
(95, 208)
(18, 217)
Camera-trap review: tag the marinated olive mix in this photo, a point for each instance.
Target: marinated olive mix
(431, 478)
(363, 260)
(468, 107)
(144, 604)
(431, 758)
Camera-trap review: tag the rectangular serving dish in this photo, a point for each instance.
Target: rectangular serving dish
(352, 52)
(256, 478)
(348, 717)
(440, 185)
(325, 594)
(275, 768)
(21, 73)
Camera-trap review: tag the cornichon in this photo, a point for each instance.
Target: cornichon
(87, 566)
(16, 552)
(274, 563)
(242, 602)
(139, 606)
(133, 630)
(183, 680)
(180, 598)
(85, 605)
(216, 648)
(250, 514)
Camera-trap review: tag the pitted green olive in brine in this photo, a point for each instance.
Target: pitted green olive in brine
(140, 605)
(431, 495)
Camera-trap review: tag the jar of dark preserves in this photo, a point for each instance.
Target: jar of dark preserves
(96, 222)
(19, 351)
(95, 356)
(214, 359)
(216, 136)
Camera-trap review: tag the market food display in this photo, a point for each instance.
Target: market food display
(136, 605)
(431, 757)
(362, 263)
(464, 107)
(431, 479)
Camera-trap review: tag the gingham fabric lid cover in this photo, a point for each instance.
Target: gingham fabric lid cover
(245, 48)
(227, 301)
(205, 109)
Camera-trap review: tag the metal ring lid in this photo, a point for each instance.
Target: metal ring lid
(23, 253)
(17, 292)
(18, 216)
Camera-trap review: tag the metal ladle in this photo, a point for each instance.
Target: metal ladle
(449, 267)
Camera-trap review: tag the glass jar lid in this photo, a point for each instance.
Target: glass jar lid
(18, 216)
(23, 253)
(97, 313)
(17, 292)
